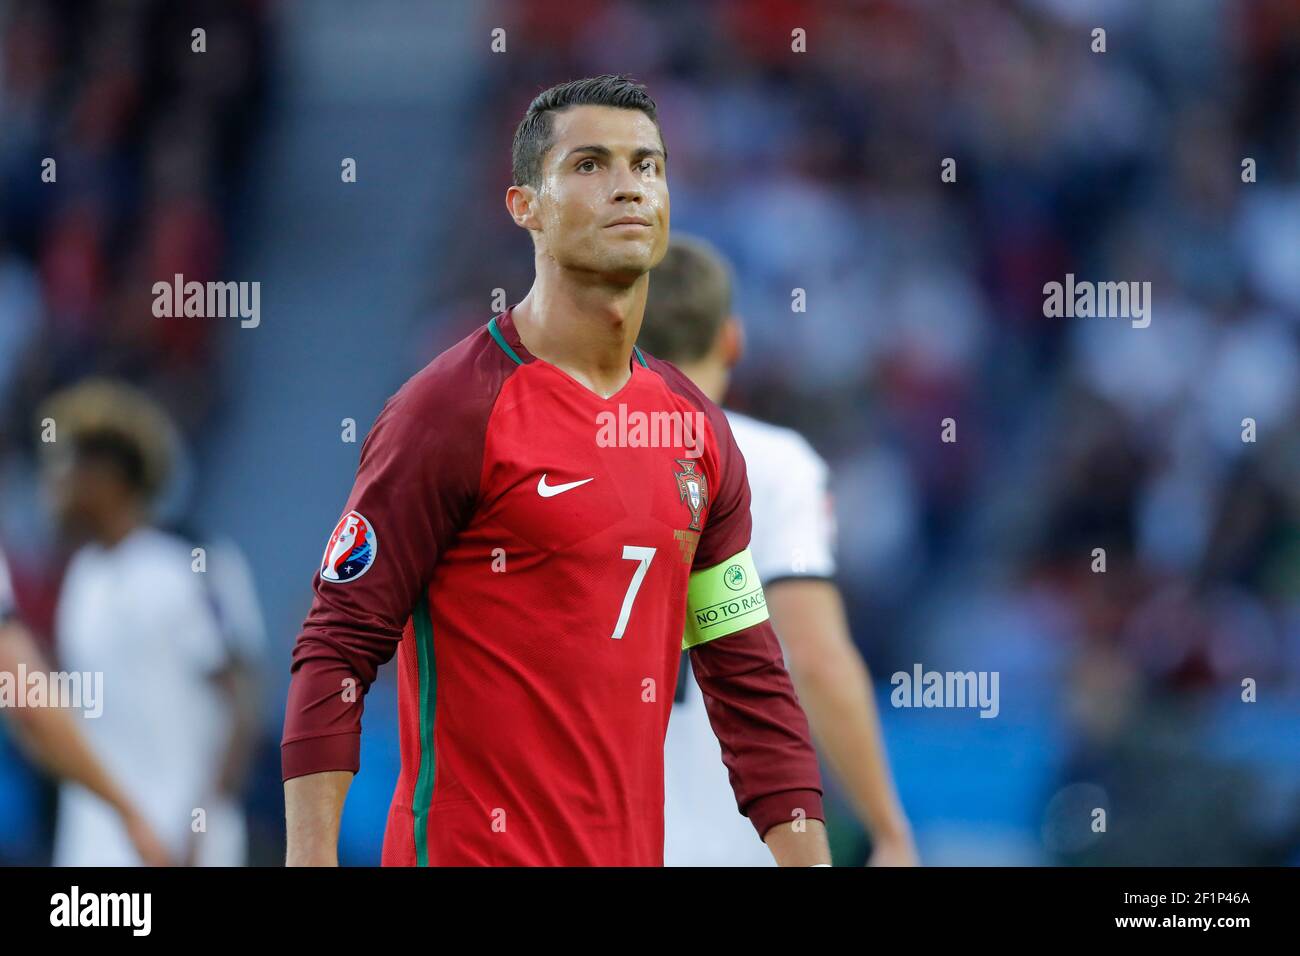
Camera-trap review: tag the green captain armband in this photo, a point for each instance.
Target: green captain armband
(722, 600)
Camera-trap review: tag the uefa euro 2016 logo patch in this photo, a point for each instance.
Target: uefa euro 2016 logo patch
(351, 551)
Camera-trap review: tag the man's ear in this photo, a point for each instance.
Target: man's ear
(521, 203)
(731, 341)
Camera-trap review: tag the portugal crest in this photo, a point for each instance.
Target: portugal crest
(693, 488)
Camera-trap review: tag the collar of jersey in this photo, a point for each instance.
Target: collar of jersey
(512, 345)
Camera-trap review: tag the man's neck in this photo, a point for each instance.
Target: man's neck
(585, 330)
(709, 377)
(116, 526)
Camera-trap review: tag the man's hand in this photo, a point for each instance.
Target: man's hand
(152, 851)
(52, 737)
(313, 807)
(893, 850)
(794, 848)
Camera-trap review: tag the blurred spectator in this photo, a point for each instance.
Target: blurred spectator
(136, 607)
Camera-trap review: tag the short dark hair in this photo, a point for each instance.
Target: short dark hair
(689, 299)
(110, 422)
(533, 136)
(119, 452)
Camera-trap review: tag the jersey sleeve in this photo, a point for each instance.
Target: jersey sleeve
(798, 537)
(728, 528)
(760, 726)
(751, 703)
(415, 487)
(234, 595)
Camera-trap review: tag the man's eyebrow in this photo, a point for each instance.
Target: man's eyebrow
(604, 152)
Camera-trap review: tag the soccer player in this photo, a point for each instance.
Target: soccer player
(689, 322)
(542, 519)
(135, 607)
(51, 736)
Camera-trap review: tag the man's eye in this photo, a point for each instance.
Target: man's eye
(648, 166)
(587, 163)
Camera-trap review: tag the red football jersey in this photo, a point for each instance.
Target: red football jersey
(525, 546)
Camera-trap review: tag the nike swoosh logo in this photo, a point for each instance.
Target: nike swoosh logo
(550, 491)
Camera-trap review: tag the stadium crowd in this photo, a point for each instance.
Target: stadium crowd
(924, 302)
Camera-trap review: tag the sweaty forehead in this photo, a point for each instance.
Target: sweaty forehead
(618, 130)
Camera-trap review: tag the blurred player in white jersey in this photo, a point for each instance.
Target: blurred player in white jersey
(51, 736)
(140, 606)
(688, 321)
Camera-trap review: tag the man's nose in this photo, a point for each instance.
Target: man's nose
(629, 187)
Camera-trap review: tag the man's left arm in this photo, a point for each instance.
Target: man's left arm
(765, 741)
(198, 621)
(739, 666)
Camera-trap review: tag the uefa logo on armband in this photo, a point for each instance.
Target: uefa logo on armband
(351, 551)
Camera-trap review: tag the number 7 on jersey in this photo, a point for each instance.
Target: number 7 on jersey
(645, 556)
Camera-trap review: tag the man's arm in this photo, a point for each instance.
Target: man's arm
(239, 615)
(799, 845)
(738, 663)
(356, 623)
(238, 685)
(835, 689)
(415, 488)
(313, 807)
(50, 736)
(765, 742)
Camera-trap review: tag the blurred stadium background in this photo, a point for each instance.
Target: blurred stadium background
(818, 171)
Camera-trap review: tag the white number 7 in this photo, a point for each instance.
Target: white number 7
(645, 556)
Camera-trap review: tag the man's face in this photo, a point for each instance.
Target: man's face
(79, 489)
(604, 165)
(68, 494)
